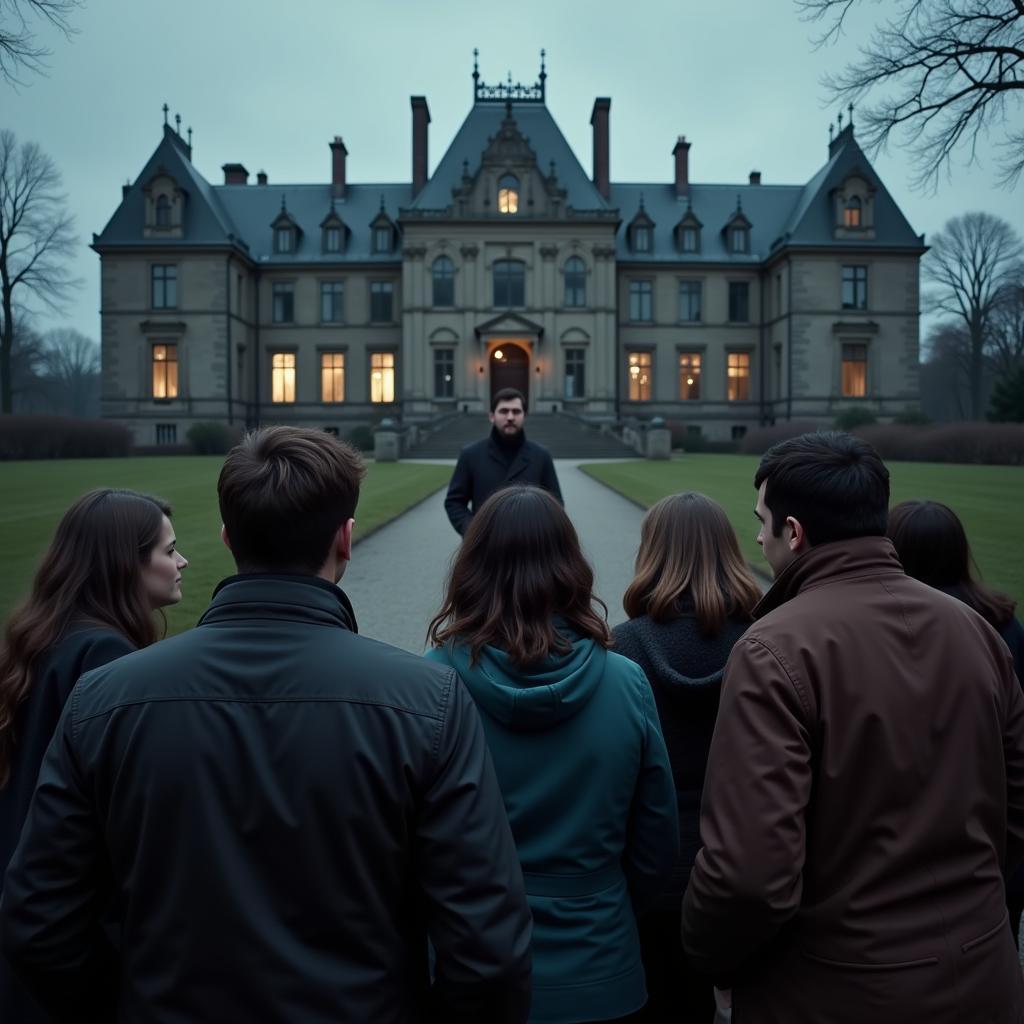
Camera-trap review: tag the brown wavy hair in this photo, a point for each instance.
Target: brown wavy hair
(519, 569)
(90, 573)
(689, 560)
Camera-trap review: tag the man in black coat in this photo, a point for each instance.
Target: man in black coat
(502, 458)
(273, 811)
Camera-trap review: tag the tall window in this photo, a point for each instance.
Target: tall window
(282, 377)
(691, 239)
(381, 301)
(443, 276)
(575, 282)
(164, 278)
(509, 283)
(855, 371)
(163, 212)
(855, 287)
(739, 240)
(332, 376)
(284, 240)
(852, 213)
(739, 302)
(641, 238)
(738, 376)
(689, 376)
(332, 239)
(382, 239)
(508, 194)
(283, 296)
(382, 376)
(640, 376)
(444, 373)
(165, 371)
(689, 301)
(575, 367)
(332, 302)
(641, 296)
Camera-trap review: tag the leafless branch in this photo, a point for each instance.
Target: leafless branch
(20, 49)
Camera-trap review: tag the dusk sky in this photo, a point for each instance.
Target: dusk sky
(269, 85)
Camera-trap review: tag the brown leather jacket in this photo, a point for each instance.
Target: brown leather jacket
(865, 792)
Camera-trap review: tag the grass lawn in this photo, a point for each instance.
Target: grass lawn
(37, 493)
(988, 499)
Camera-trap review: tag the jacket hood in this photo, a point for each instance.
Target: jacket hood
(664, 667)
(537, 698)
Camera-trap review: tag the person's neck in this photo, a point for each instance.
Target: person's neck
(508, 444)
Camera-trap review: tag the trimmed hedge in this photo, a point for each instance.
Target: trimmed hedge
(62, 437)
(212, 438)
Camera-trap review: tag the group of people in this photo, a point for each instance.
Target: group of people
(804, 805)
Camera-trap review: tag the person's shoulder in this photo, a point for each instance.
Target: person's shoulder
(476, 446)
(536, 448)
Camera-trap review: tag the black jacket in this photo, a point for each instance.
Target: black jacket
(484, 467)
(83, 647)
(280, 812)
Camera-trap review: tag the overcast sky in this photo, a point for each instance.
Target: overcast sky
(268, 85)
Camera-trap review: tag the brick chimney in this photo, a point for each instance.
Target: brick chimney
(235, 174)
(338, 154)
(420, 120)
(681, 151)
(261, 178)
(599, 119)
(755, 177)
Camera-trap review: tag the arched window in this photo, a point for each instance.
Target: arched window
(163, 212)
(575, 282)
(509, 283)
(508, 194)
(443, 273)
(852, 213)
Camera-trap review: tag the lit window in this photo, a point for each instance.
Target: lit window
(575, 365)
(738, 371)
(691, 239)
(739, 302)
(332, 239)
(509, 283)
(282, 377)
(640, 376)
(444, 373)
(852, 213)
(689, 376)
(165, 285)
(641, 238)
(855, 287)
(575, 282)
(283, 295)
(443, 278)
(381, 302)
(855, 371)
(382, 376)
(739, 240)
(163, 212)
(332, 302)
(690, 301)
(508, 194)
(165, 371)
(332, 376)
(640, 300)
(283, 240)
(382, 239)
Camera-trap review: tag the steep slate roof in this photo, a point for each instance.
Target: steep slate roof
(545, 138)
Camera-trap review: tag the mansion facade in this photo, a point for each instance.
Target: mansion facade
(336, 304)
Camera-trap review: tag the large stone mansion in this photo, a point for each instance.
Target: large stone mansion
(722, 306)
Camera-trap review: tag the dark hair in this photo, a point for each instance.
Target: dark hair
(283, 493)
(519, 568)
(91, 572)
(836, 486)
(689, 558)
(507, 395)
(932, 545)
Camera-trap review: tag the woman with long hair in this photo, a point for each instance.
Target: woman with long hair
(112, 563)
(575, 741)
(691, 599)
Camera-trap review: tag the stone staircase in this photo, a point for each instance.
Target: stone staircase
(564, 436)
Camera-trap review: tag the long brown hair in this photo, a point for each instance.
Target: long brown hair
(932, 545)
(689, 558)
(520, 566)
(91, 573)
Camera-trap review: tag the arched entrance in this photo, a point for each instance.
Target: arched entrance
(510, 368)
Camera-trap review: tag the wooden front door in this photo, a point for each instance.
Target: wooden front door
(510, 368)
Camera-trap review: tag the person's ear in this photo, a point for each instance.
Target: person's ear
(343, 541)
(224, 536)
(797, 535)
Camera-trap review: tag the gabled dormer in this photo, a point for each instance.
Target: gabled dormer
(853, 207)
(687, 231)
(333, 233)
(165, 206)
(286, 232)
(640, 231)
(383, 231)
(736, 232)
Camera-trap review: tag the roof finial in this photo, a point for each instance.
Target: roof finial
(382, 202)
(641, 202)
(543, 74)
(840, 119)
(689, 203)
(190, 137)
(166, 110)
(831, 131)
(177, 123)
(739, 204)
(465, 170)
(552, 174)
(284, 208)
(850, 109)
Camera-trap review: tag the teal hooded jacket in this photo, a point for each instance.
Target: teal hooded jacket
(586, 781)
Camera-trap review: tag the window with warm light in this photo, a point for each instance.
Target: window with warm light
(640, 376)
(163, 212)
(164, 280)
(690, 301)
(689, 376)
(444, 373)
(332, 302)
(738, 376)
(508, 194)
(575, 367)
(852, 213)
(855, 287)
(509, 283)
(282, 377)
(442, 274)
(641, 299)
(165, 371)
(382, 376)
(332, 376)
(575, 282)
(855, 371)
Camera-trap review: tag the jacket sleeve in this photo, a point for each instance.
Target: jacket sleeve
(652, 843)
(1013, 752)
(747, 880)
(55, 891)
(549, 478)
(468, 870)
(460, 490)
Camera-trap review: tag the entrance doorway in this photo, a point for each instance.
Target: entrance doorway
(510, 368)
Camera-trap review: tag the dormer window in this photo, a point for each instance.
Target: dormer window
(739, 240)
(332, 239)
(690, 239)
(852, 213)
(641, 238)
(163, 212)
(508, 194)
(284, 240)
(382, 239)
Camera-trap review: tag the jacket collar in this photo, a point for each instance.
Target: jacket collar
(520, 458)
(827, 563)
(299, 598)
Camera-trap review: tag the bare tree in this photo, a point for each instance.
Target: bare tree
(1005, 344)
(37, 242)
(971, 261)
(19, 19)
(953, 71)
